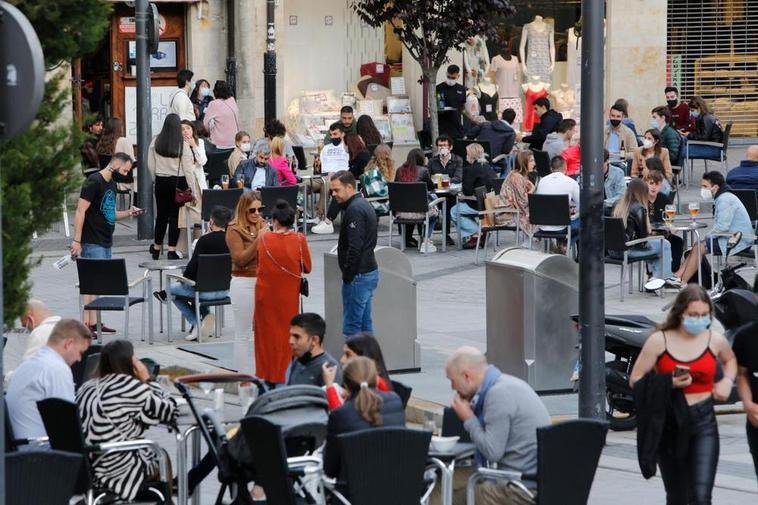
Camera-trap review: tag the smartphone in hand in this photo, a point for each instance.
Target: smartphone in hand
(681, 370)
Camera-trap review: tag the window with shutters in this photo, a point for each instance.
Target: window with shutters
(713, 52)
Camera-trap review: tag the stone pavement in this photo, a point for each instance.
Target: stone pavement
(451, 313)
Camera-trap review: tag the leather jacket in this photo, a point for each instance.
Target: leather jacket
(636, 224)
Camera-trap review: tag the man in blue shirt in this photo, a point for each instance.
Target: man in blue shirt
(46, 374)
(745, 176)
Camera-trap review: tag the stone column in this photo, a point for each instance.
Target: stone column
(636, 56)
(251, 43)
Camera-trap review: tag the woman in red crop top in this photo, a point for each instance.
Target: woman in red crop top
(685, 342)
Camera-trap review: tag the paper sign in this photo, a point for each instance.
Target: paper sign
(397, 85)
(334, 158)
(160, 99)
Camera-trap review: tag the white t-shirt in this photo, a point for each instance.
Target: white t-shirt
(182, 105)
(39, 336)
(558, 183)
(334, 158)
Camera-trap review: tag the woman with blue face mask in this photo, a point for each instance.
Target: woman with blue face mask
(201, 97)
(706, 128)
(686, 350)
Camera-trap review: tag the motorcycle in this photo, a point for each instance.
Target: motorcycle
(734, 305)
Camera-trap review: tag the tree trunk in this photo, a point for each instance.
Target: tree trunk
(430, 78)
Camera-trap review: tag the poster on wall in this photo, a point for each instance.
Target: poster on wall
(163, 59)
(160, 98)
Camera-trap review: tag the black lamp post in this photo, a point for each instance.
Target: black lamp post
(269, 66)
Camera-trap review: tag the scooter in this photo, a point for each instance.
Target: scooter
(734, 306)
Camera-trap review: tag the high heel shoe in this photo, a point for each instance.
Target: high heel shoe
(155, 253)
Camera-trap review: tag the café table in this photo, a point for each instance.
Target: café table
(304, 186)
(161, 266)
(691, 227)
(445, 463)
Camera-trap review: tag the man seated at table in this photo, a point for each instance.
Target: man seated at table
(309, 358)
(500, 136)
(46, 374)
(558, 183)
(745, 176)
(213, 242)
(256, 172)
(501, 414)
(729, 216)
(618, 137)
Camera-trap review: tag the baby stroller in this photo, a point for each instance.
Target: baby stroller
(301, 411)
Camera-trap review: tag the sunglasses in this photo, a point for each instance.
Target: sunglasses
(255, 210)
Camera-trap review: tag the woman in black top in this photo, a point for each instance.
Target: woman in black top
(414, 170)
(366, 128)
(358, 153)
(707, 128)
(477, 172)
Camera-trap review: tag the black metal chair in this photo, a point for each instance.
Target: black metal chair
(452, 426)
(214, 273)
(11, 442)
(403, 391)
(40, 477)
(372, 147)
(412, 197)
(749, 200)
(106, 278)
(550, 210)
(567, 457)
(615, 240)
(302, 161)
(497, 185)
(375, 457)
(488, 223)
(82, 369)
(541, 162)
(64, 427)
(722, 146)
(216, 166)
(214, 197)
(271, 194)
(460, 145)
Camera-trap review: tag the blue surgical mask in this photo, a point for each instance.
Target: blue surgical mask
(696, 325)
(192, 86)
(694, 114)
(654, 124)
(205, 92)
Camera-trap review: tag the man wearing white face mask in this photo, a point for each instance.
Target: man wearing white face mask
(180, 103)
(242, 147)
(729, 216)
(446, 162)
(452, 97)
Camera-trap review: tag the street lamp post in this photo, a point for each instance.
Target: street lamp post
(591, 266)
(269, 65)
(146, 220)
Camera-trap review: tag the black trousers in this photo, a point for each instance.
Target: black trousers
(689, 481)
(752, 442)
(166, 208)
(677, 250)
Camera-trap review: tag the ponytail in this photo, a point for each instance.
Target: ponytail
(359, 377)
(368, 404)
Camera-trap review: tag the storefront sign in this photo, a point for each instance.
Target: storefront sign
(160, 99)
(334, 158)
(128, 24)
(676, 71)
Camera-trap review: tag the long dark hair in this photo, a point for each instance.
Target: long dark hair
(169, 142)
(195, 95)
(366, 345)
(408, 172)
(367, 130)
(191, 124)
(116, 357)
(697, 102)
(691, 293)
(359, 378)
(111, 133)
(355, 145)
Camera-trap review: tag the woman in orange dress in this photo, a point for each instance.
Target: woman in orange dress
(283, 258)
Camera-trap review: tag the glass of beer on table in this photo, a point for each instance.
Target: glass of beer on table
(225, 181)
(694, 208)
(668, 214)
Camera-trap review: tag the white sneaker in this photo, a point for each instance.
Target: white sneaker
(313, 220)
(428, 247)
(191, 336)
(208, 325)
(323, 228)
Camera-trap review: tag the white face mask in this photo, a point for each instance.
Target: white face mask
(647, 144)
(706, 194)
(245, 147)
(444, 151)
(450, 82)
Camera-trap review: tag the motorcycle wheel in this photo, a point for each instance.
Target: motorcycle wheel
(624, 418)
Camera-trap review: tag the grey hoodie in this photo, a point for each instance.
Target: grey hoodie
(554, 144)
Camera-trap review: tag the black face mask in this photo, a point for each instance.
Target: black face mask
(672, 103)
(336, 142)
(615, 122)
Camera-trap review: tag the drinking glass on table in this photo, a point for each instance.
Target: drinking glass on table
(694, 208)
(668, 214)
(225, 181)
(445, 181)
(431, 425)
(240, 183)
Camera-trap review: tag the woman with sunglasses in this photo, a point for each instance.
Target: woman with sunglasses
(242, 235)
(685, 348)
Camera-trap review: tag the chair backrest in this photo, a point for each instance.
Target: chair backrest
(102, 277)
(748, 199)
(375, 457)
(452, 426)
(541, 162)
(65, 433)
(302, 162)
(424, 139)
(727, 134)
(269, 459)
(549, 210)
(480, 193)
(224, 197)
(497, 185)
(270, 195)
(216, 165)
(408, 197)
(214, 272)
(40, 477)
(403, 391)
(567, 458)
(10, 437)
(615, 234)
(103, 160)
(460, 145)
(82, 370)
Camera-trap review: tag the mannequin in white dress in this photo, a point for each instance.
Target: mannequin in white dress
(540, 58)
(476, 60)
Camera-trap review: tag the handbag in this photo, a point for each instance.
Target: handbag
(181, 196)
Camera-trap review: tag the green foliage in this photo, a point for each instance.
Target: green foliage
(67, 28)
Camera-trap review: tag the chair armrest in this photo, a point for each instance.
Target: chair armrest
(302, 461)
(31, 441)
(140, 280)
(649, 238)
(437, 201)
(704, 143)
(135, 445)
(331, 485)
(181, 279)
(493, 473)
(377, 199)
(499, 157)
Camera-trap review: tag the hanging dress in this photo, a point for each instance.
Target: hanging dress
(530, 118)
(538, 52)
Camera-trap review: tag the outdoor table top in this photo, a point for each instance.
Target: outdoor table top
(231, 413)
(460, 450)
(454, 189)
(164, 264)
(697, 225)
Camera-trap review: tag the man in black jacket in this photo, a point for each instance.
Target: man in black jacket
(213, 242)
(355, 254)
(549, 121)
(500, 136)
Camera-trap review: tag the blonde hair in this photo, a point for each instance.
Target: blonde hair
(637, 191)
(244, 203)
(239, 136)
(359, 377)
(277, 147)
(382, 160)
(476, 152)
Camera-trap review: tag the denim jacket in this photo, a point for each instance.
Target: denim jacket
(730, 216)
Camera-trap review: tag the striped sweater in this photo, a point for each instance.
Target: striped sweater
(117, 408)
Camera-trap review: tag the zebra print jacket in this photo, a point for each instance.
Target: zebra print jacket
(117, 408)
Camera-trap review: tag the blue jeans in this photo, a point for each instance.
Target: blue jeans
(356, 303)
(659, 247)
(188, 308)
(96, 252)
(468, 219)
(703, 152)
